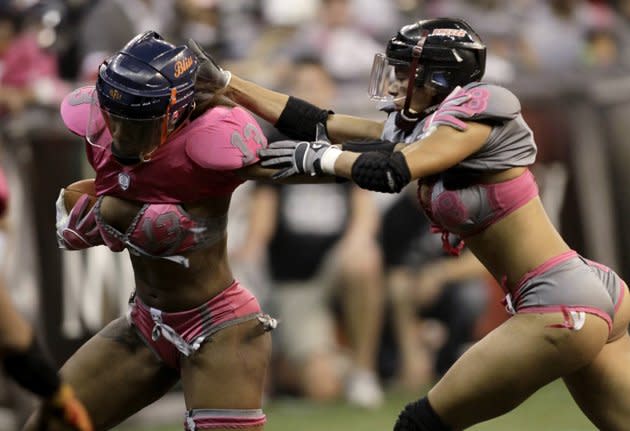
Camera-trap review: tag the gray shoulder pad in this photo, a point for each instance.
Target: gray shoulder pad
(474, 102)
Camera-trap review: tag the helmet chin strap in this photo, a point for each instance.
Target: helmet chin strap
(407, 118)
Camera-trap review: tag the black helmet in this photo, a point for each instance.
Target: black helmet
(450, 52)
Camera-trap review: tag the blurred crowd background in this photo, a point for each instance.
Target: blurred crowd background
(366, 298)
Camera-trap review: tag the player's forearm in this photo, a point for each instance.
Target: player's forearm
(266, 103)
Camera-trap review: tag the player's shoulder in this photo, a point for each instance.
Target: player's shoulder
(500, 99)
(476, 101)
(493, 101)
(75, 109)
(224, 138)
(222, 116)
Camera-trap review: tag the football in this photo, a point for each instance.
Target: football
(77, 189)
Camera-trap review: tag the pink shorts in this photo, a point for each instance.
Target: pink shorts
(172, 334)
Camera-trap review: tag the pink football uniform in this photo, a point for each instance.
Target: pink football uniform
(197, 162)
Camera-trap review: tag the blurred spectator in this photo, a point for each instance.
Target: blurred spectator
(335, 36)
(553, 32)
(497, 23)
(28, 72)
(320, 240)
(602, 49)
(321, 246)
(199, 20)
(97, 40)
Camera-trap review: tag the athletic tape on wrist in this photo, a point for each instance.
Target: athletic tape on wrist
(329, 158)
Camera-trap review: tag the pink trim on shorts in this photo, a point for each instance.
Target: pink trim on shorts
(232, 304)
(203, 419)
(541, 269)
(229, 423)
(563, 308)
(544, 267)
(622, 294)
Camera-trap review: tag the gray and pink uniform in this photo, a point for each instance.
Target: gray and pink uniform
(197, 162)
(456, 203)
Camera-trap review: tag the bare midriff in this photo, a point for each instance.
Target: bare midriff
(167, 285)
(519, 242)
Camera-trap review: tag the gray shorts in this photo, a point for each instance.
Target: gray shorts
(570, 284)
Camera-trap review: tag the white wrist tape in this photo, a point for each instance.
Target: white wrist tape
(329, 158)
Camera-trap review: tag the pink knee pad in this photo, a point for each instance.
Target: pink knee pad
(207, 419)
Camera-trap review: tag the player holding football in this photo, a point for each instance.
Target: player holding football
(166, 166)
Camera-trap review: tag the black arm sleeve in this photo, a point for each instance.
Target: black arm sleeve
(381, 172)
(32, 370)
(363, 146)
(299, 119)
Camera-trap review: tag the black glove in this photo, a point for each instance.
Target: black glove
(295, 157)
(211, 77)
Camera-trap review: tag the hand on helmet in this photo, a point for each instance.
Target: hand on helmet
(210, 77)
(295, 157)
(64, 412)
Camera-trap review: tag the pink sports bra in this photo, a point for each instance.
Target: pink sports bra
(162, 231)
(199, 161)
(471, 209)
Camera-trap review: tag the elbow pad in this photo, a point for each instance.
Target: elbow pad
(299, 119)
(381, 172)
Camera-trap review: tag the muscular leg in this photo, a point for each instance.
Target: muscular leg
(228, 371)
(510, 364)
(602, 388)
(115, 375)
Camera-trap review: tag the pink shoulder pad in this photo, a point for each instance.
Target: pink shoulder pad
(474, 102)
(75, 109)
(225, 139)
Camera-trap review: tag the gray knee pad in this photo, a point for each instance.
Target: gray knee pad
(202, 419)
(420, 416)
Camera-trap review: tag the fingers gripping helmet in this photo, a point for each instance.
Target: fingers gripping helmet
(146, 89)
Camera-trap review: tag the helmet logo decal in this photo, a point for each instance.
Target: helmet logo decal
(124, 180)
(449, 32)
(115, 94)
(182, 66)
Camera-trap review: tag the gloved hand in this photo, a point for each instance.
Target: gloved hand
(211, 77)
(77, 230)
(64, 411)
(296, 157)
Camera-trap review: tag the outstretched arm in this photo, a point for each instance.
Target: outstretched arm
(271, 105)
(292, 116)
(383, 171)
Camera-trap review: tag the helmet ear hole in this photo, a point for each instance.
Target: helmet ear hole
(441, 80)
